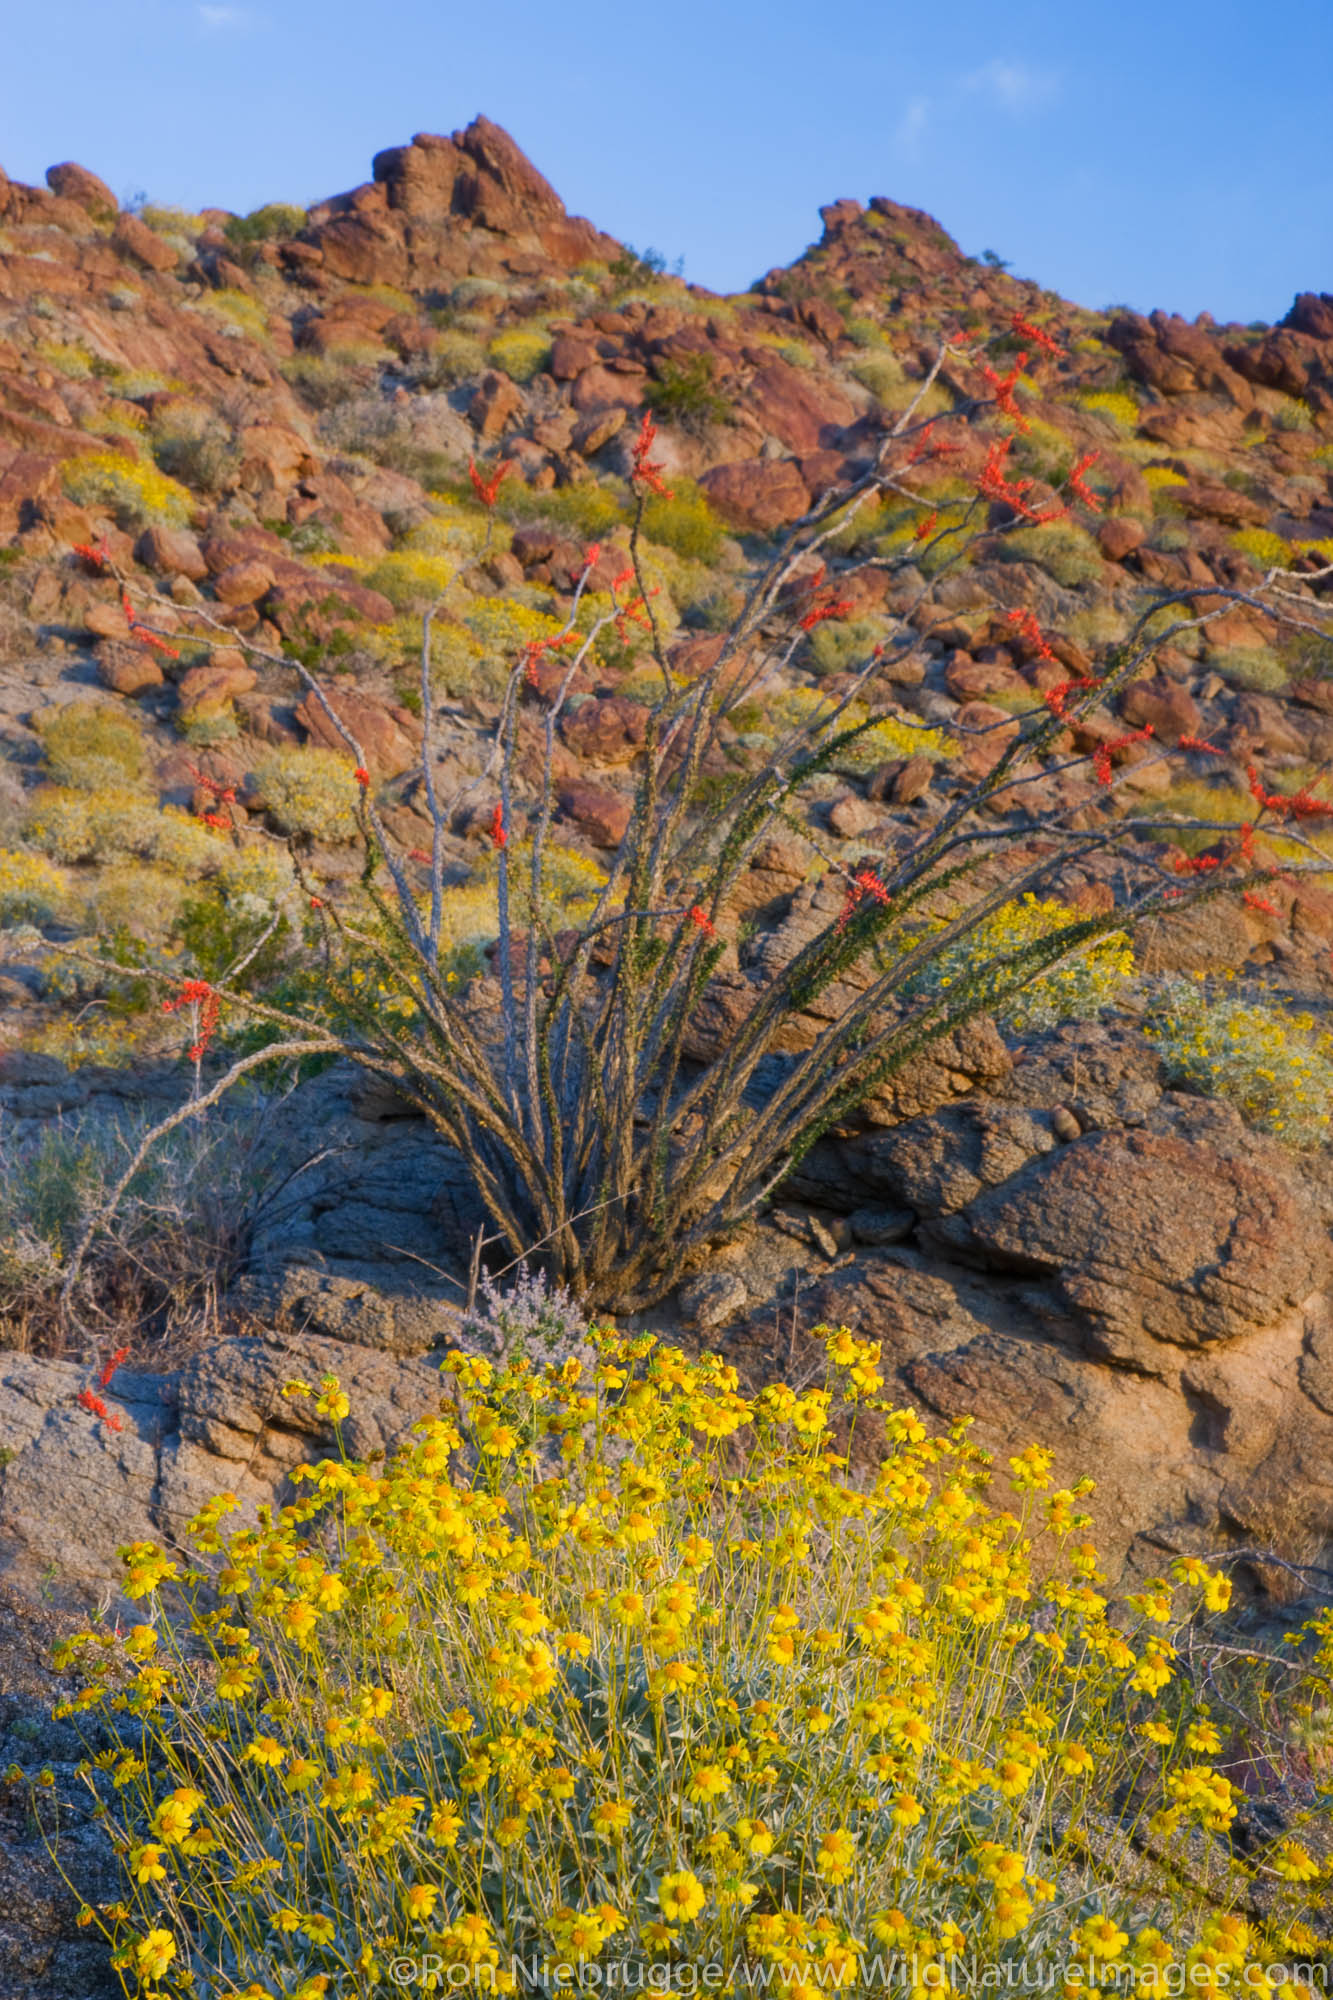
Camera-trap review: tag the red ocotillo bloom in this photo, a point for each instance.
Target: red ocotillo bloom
(89, 1400)
(1003, 385)
(499, 831)
(1079, 488)
(1198, 743)
(994, 483)
(865, 883)
(110, 1366)
(1101, 756)
(95, 554)
(1030, 630)
(486, 489)
(1036, 334)
(647, 471)
(197, 993)
(820, 601)
(702, 921)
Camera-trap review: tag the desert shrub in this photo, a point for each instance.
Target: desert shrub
(1090, 979)
(323, 381)
(1117, 404)
(410, 578)
(238, 309)
(66, 357)
(137, 495)
(139, 900)
(878, 741)
(881, 372)
(554, 1683)
(684, 522)
(1255, 667)
(196, 448)
(1161, 479)
(590, 510)
(89, 744)
(1268, 550)
(115, 824)
(168, 221)
(1043, 452)
(1065, 551)
(840, 645)
(1294, 414)
(262, 225)
(1270, 1063)
(159, 1270)
(683, 393)
(31, 890)
(452, 357)
(521, 352)
(309, 791)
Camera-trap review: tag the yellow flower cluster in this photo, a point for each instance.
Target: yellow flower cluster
(614, 1662)
(31, 890)
(1270, 1063)
(1075, 988)
(134, 493)
(1117, 404)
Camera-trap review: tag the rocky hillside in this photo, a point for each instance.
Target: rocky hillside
(271, 418)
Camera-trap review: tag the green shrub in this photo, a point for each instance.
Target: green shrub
(1255, 667)
(31, 890)
(112, 825)
(411, 579)
(196, 448)
(881, 372)
(1273, 1065)
(1065, 551)
(1092, 978)
(309, 791)
(838, 646)
(522, 352)
(683, 393)
(452, 358)
(554, 1683)
(262, 225)
(90, 745)
(137, 495)
(685, 523)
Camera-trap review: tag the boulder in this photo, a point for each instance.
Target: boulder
(601, 816)
(611, 730)
(388, 737)
(84, 189)
(497, 404)
(135, 239)
(171, 552)
(761, 494)
(1164, 706)
(1190, 1232)
(126, 668)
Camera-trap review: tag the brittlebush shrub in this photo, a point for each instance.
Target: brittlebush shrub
(89, 745)
(1272, 1064)
(138, 495)
(31, 890)
(614, 1666)
(1078, 989)
(309, 791)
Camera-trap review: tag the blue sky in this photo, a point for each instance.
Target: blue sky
(1155, 152)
